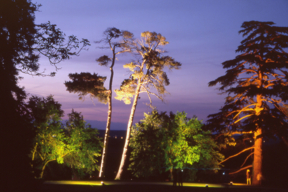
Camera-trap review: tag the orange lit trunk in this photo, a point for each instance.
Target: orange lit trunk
(125, 149)
(257, 163)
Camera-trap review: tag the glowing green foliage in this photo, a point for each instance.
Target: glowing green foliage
(76, 144)
(83, 144)
(161, 142)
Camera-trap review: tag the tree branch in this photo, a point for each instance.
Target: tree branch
(237, 154)
(247, 158)
(249, 166)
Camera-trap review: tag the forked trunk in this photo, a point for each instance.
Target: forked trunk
(125, 149)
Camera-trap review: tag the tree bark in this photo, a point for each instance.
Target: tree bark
(109, 116)
(125, 149)
(257, 163)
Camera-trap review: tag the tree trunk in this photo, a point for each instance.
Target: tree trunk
(125, 149)
(106, 139)
(109, 116)
(43, 168)
(257, 163)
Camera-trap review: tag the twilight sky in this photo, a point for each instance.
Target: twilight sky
(201, 34)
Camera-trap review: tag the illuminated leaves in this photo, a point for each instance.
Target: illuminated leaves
(74, 145)
(126, 91)
(161, 142)
(148, 72)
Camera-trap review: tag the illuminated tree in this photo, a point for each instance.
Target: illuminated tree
(256, 83)
(21, 42)
(111, 34)
(48, 144)
(76, 145)
(171, 142)
(84, 145)
(147, 75)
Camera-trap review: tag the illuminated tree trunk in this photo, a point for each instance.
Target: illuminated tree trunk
(257, 163)
(125, 149)
(43, 168)
(106, 139)
(109, 116)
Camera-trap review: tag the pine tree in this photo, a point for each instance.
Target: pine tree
(256, 84)
(93, 85)
(147, 74)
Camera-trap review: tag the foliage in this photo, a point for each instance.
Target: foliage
(264, 61)
(87, 83)
(83, 144)
(256, 84)
(76, 145)
(147, 72)
(171, 142)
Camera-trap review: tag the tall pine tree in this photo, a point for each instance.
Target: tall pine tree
(256, 83)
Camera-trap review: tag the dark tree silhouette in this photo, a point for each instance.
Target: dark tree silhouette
(21, 41)
(256, 83)
(87, 84)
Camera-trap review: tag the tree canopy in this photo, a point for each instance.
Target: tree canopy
(76, 144)
(162, 142)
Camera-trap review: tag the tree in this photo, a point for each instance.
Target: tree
(111, 33)
(85, 83)
(49, 142)
(171, 142)
(256, 83)
(147, 154)
(75, 144)
(147, 74)
(83, 143)
(19, 36)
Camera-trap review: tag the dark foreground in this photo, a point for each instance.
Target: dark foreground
(146, 187)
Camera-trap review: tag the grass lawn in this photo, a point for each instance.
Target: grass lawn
(119, 186)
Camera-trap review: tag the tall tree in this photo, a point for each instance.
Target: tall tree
(19, 36)
(147, 75)
(110, 35)
(256, 83)
(85, 83)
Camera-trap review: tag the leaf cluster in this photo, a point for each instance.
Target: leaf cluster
(148, 70)
(87, 83)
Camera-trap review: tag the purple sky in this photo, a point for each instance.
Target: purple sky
(201, 33)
